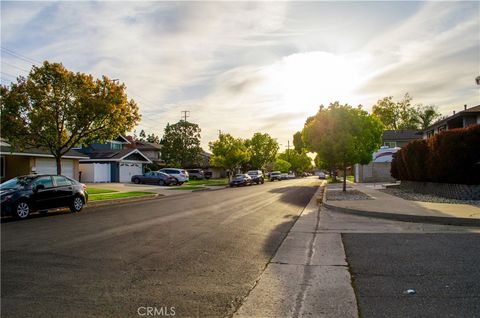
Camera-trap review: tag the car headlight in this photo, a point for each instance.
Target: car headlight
(6, 198)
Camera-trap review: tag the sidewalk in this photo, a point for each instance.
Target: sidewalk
(307, 277)
(388, 206)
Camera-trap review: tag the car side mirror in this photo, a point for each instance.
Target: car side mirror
(39, 187)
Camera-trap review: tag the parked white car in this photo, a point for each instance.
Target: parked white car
(180, 175)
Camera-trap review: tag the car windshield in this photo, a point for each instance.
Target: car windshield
(16, 183)
(275, 172)
(252, 172)
(239, 176)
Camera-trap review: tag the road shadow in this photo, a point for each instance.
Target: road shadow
(296, 195)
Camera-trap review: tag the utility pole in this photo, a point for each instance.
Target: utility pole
(219, 133)
(185, 114)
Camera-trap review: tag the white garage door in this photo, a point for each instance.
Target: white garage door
(49, 166)
(127, 170)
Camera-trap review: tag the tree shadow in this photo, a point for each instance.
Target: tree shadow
(296, 195)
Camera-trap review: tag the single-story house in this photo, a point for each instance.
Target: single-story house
(33, 160)
(111, 161)
(152, 151)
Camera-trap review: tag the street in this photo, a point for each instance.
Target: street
(199, 253)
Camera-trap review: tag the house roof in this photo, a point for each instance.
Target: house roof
(468, 111)
(114, 155)
(37, 152)
(145, 145)
(405, 134)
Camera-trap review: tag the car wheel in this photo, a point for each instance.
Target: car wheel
(22, 210)
(180, 183)
(77, 204)
(262, 181)
(136, 181)
(161, 182)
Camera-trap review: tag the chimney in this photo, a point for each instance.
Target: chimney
(465, 107)
(454, 112)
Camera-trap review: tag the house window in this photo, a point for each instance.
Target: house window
(430, 133)
(442, 128)
(2, 167)
(390, 144)
(115, 146)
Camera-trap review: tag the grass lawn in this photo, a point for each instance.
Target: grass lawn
(351, 178)
(92, 191)
(110, 196)
(340, 179)
(209, 182)
(186, 186)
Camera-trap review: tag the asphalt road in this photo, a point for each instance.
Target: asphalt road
(200, 253)
(442, 269)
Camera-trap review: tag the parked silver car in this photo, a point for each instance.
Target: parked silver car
(180, 175)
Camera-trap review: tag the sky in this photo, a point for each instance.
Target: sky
(246, 67)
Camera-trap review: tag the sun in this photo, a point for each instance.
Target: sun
(305, 80)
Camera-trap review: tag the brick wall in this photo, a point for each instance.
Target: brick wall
(447, 190)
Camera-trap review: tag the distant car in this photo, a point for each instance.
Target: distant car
(284, 176)
(257, 176)
(180, 175)
(321, 175)
(22, 195)
(291, 176)
(242, 179)
(275, 175)
(196, 174)
(154, 177)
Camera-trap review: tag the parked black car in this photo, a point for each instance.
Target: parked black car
(22, 195)
(154, 177)
(241, 180)
(257, 176)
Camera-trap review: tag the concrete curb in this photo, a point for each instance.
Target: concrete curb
(94, 204)
(406, 217)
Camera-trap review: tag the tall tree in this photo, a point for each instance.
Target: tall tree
(298, 142)
(152, 138)
(426, 115)
(229, 153)
(342, 136)
(299, 162)
(282, 165)
(263, 149)
(56, 109)
(181, 144)
(396, 115)
(142, 135)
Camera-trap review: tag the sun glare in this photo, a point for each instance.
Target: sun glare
(305, 80)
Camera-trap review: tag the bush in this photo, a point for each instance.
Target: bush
(452, 156)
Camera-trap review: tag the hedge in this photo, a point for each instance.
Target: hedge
(452, 156)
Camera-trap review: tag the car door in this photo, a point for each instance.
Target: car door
(64, 191)
(43, 198)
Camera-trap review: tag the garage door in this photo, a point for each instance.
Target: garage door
(127, 170)
(49, 166)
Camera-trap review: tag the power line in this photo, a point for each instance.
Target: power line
(9, 75)
(14, 66)
(19, 56)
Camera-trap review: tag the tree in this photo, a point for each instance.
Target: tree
(426, 115)
(229, 153)
(181, 144)
(396, 115)
(298, 142)
(299, 162)
(263, 149)
(56, 109)
(282, 165)
(342, 136)
(142, 135)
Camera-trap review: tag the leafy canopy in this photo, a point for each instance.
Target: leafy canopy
(263, 149)
(229, 152)
(56, 109)
(282, 165)
(181, 144)
(299, 162)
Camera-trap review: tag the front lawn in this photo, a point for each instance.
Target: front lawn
(92, 191)
(209, 182)
(111, 196)
(186, 187)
